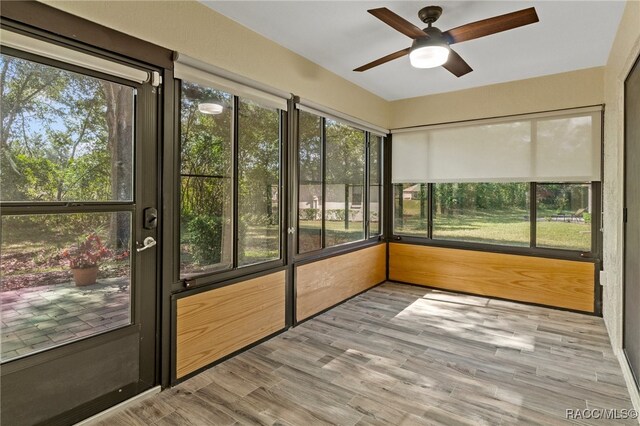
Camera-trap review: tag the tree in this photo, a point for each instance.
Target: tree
(65, 137)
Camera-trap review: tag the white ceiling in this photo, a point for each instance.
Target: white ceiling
(341, 35)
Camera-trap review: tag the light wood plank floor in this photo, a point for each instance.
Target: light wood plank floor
(406, 355)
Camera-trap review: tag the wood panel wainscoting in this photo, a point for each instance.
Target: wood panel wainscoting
(322, 284)
(553, 282)
(216, 323)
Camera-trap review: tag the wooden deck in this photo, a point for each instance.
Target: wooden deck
(401, 354)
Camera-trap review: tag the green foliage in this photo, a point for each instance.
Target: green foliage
(205, 234)
(345, 154)
(308, 214)
(336, 214)
(455, 197)
(60, 134)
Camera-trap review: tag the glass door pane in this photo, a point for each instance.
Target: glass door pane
(64, 277)
(65, 136)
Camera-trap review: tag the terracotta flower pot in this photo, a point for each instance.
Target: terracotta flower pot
(85, 276)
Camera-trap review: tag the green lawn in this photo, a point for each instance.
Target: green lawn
(497, 227)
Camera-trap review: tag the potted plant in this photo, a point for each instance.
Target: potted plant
(84, 259)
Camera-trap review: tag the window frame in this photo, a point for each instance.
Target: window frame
(381, 176)
(593, 255)
(368, 239)
(224, 274)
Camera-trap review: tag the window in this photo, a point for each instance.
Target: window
(229, 204)
(492, 213)
(345, 163)
(258, 183)
(66, 138)
(522, 181)
(411, 211)
(340, 183)
(375, 185)
(206, 184)
(310, 182)
(564, 216)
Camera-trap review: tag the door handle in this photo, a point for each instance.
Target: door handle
(147, 243)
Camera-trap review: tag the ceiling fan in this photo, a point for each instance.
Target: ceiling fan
(431, 47)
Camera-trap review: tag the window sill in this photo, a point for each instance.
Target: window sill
(549, 253)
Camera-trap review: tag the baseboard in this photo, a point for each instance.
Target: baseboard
(634, 394)
(123, 405)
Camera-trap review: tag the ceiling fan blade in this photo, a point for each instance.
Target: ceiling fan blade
(456, 65)
(397, 22)
(384, 59)
(492, 25)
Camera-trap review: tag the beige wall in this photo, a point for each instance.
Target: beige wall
(197, 31)
(626, 49)
(557, 91)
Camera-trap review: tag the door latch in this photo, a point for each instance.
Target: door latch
(150, 218)
(146, 244)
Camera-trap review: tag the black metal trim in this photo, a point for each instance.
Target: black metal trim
(533, 214)
(492, 248)
(228, 274)
(169, 224)
(365, 189)
(625, 166)
(283, 187)
(290, 219)
(229, 281)
(596, 241)
(195, 175)
(323, 166)
(174, 186)
(235, 148)
(95, 406)
(12, 209)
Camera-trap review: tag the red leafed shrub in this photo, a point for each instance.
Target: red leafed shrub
(87, 253)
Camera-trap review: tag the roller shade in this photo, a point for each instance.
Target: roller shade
(195, 71)
(71, 56)
(549, 147)
(313, 108)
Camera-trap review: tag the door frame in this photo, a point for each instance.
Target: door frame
(145, 311)
(635, 66)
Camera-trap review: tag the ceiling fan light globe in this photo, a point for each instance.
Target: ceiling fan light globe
(210, 108)
(428, 56)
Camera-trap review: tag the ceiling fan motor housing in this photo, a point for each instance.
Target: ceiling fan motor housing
(430, 14)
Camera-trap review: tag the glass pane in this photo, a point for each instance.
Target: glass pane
(65, 136)
(411, 209)
(563, 216)
(344, 184)
(375, 184)
(206, 237)
(310, 186)
(375, 211)
(258, 183)
(64, 277)
(493, 213)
